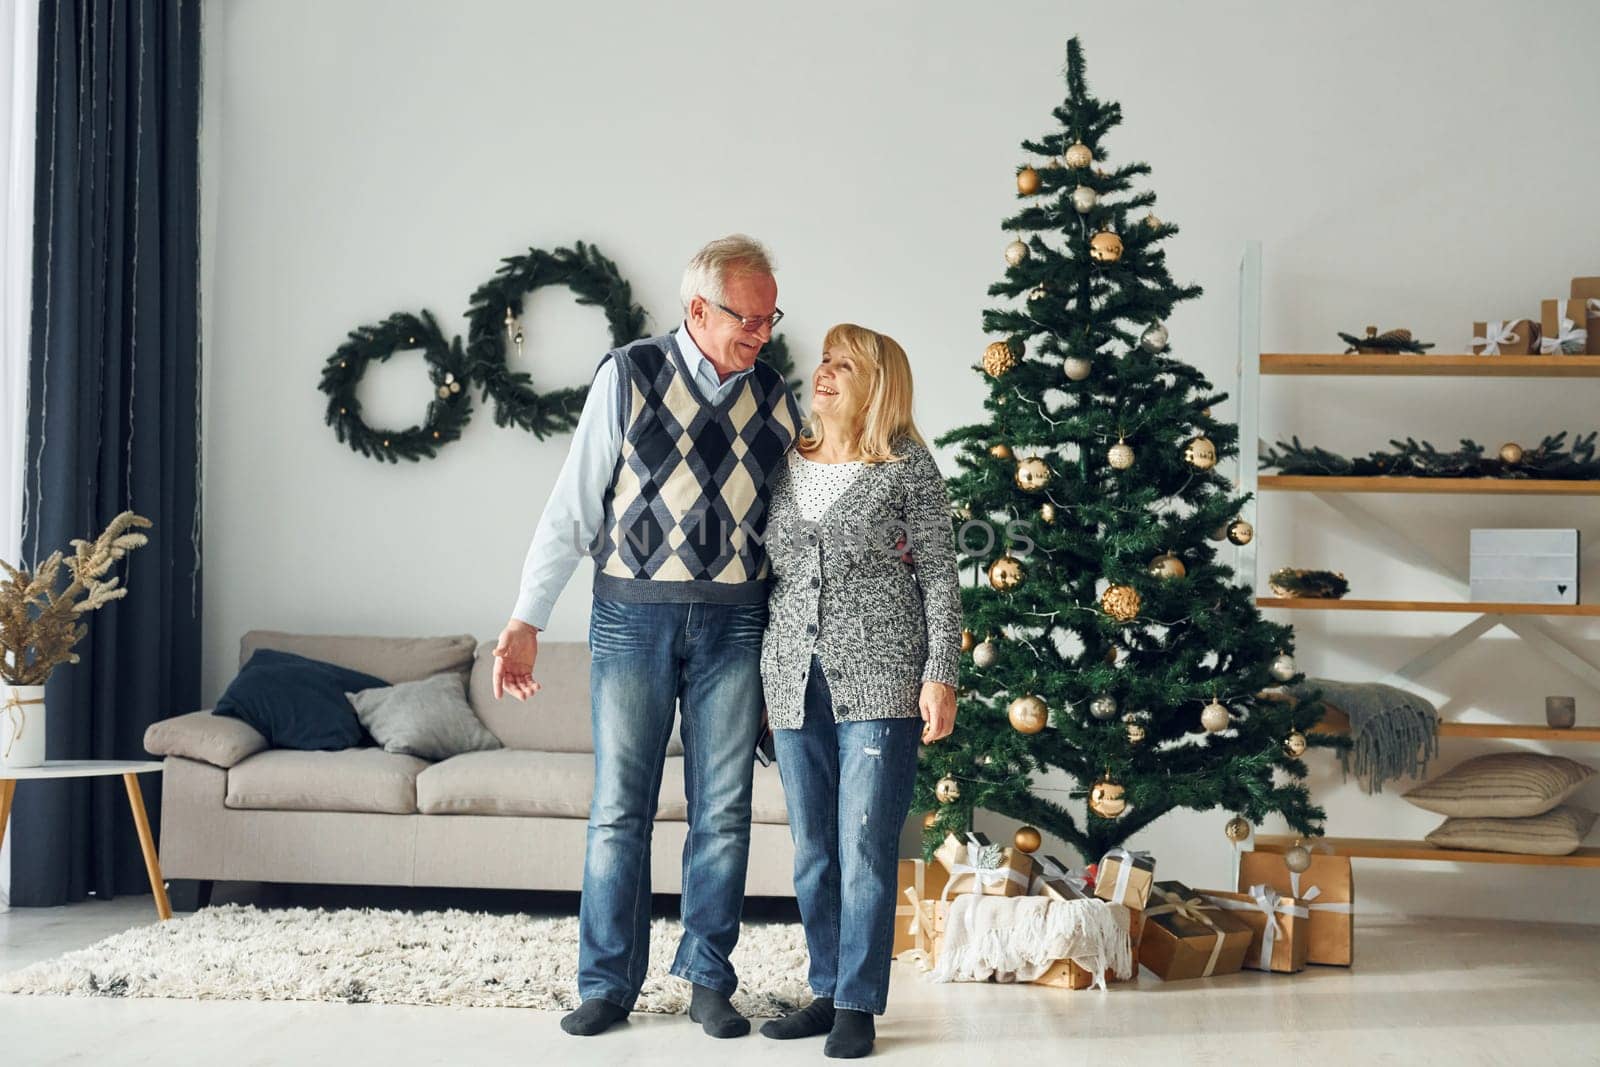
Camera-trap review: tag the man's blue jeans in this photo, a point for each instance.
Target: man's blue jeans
(848, 788)
(646, 658)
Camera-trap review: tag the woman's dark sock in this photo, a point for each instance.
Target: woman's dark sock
(852, 1036)
(593, 1017)
(716, 1014)
(813, 1019)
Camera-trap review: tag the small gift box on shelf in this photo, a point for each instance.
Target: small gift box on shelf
(1277, 927)
(1186, 936)
(977, 865)
(1508, 337)
(1326, 888)
(1051, 878)
(1065, 974)
(1124, 877)
(925, 884)
(1587, 290)
(1563, 327)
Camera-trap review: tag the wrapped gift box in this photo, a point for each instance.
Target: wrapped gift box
(1052, 878)
(1511, 337)
(977, 865)
(1587, 290)
(925, 884)
(1277, 927)
(1328, 891)
(1124, 877)
(1064, 974)
(1563, 327)
(1186, 936)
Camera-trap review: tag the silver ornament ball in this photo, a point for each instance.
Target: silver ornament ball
(1016, 252)
(1120, 456)
(1103, 706)
(1075, 368)
(1084, 199)
(1154, 338)
(985, 654)
(1283, 667)
(1214, 718)
(1297, 858)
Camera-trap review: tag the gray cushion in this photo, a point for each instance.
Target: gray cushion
(1557, 832)
(200, 735)
(352, 779)
(429, 718)
(559, 785)
(1503, 785)
(556, 718)
(394, 659)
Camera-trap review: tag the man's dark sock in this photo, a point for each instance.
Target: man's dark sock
(852, 1035)
(813, 1019)
(593, 1017)
(716, 1014)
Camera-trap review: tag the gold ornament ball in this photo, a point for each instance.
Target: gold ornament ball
(1511, 453)
(998, 358)
(1084, 199)
(1111, 656)
(1000, 451)
(1005, 573)
(968, 640)
(1033, 474)
(1200, 454)
(1121, 602)
(1215, 718)
(1135, 733)
(1167, 566)
(1047, 513)
(1027, 181)
(1297, 858)
(1076, 368)
(444, 392)
(1238, 829)
(1295, 744)
(929, 820)
(1107, 800)
(1016, 252)
(1028, 714)
(948, 790)
(1079, 155)
(1240, 532)
(1120, 456)
(1027, 839)
(1105, 247)
(985, 655)
(1283, 667)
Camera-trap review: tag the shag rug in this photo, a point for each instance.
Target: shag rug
(454, 958)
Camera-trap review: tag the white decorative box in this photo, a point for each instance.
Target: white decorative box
(1525, 566)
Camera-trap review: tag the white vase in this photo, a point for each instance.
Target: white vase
(21, 725)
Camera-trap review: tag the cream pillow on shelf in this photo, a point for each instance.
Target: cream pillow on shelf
(1504, 785)
(1558, 832)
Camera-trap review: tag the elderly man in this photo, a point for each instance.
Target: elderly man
(666, 484)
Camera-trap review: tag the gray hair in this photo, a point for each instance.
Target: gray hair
(725, 257)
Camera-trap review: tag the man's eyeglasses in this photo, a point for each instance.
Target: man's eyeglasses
(752, 323)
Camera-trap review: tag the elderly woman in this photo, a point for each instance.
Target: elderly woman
(858, 664)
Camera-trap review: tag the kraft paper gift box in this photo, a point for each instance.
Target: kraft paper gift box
(1588, 291)
(1277, 927)
(1124, 876)
(1510, 337)
(925, 883)
(976, 865)
(1052, 878)
(1563, 327)
(1186, 936)
(1326, 888)
(1064, 974)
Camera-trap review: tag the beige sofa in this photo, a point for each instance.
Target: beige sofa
(516, 818)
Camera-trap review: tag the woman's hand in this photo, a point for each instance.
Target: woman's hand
(938, 704)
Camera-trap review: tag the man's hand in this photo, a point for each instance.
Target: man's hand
(514, 654)
(938, 703)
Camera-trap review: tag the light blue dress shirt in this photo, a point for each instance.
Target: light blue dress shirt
(576, 507)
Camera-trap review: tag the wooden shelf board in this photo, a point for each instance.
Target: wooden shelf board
(1464, 606)
(1303, 483)
(1449, 366)
(1379, 848)
(1335, 721)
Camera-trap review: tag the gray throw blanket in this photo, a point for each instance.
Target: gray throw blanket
(1394, 733)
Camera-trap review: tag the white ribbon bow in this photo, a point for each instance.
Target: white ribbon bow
(1570, 337)
(1126, 860)
(1268, 902)
(1496, 334)
(982, 877)
(1050, 870)
(1194, 910)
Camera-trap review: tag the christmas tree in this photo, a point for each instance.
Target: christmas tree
(1105, 636)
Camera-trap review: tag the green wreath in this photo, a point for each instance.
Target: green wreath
(447, 412)
(497, 305)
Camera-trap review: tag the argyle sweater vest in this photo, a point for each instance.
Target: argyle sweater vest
(686, 512)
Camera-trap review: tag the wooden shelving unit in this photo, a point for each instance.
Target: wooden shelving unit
(1432, 366)
(1335, 721)
(1471, 607)
(1378, 848)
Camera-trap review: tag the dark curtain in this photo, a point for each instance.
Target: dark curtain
(113, 412)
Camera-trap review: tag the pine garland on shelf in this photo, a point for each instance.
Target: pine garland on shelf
(1553, 459)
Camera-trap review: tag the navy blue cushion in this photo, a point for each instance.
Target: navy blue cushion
(295, 702)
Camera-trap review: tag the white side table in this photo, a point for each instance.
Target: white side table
(95, 768)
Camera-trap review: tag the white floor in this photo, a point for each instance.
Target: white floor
(1450, 991)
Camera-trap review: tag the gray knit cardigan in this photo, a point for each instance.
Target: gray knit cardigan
(883, 619)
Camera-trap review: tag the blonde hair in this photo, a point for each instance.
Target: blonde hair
(886, 415)
(726, 257)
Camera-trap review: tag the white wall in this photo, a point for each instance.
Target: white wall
(1405, 164)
